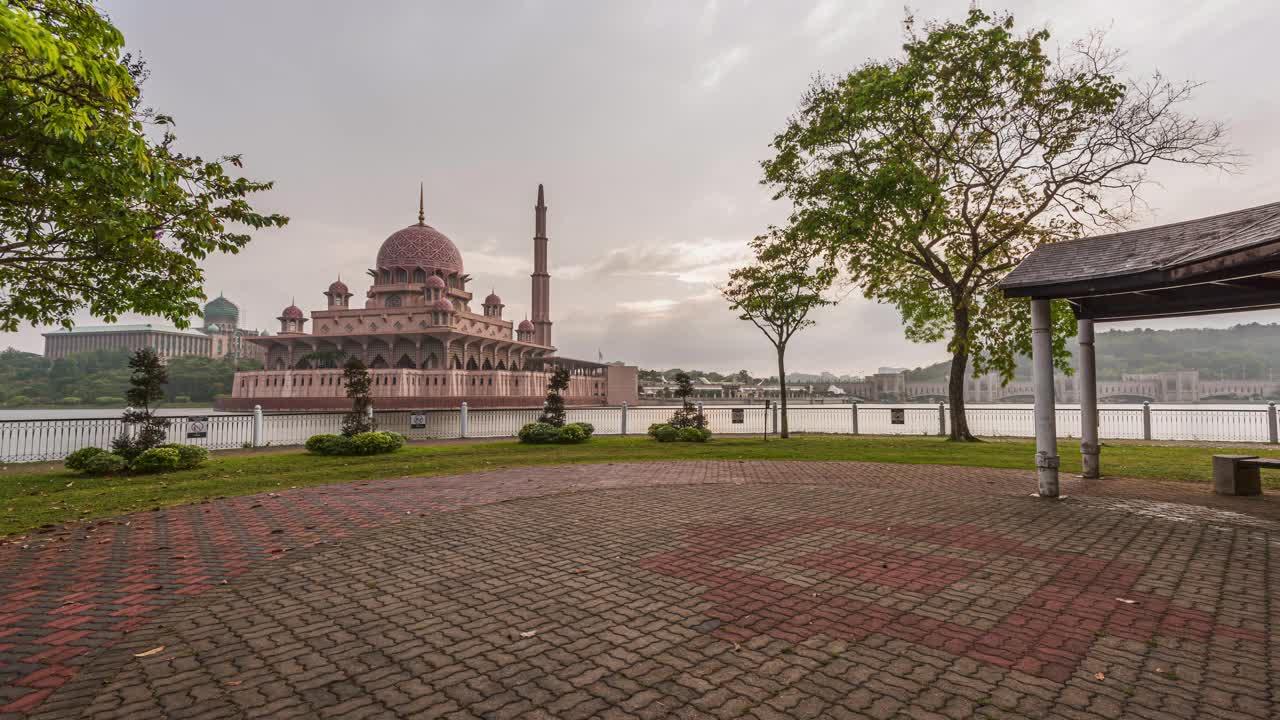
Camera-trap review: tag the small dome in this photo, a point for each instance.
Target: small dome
(525, 326)
(293, 312)
(435, 281)
(442, 305)
(493, 299)
(221, 310)
(339, 288)
(213, 328)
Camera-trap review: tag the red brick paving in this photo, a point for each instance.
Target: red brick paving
(951, 568)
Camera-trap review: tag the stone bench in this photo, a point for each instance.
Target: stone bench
(1240, 474)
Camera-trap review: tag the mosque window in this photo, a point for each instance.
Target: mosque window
(419, 276)
(393, 301)
(401, 275)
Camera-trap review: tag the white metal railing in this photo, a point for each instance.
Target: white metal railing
(52, 439)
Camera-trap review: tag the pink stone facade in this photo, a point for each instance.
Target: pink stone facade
(421, 338)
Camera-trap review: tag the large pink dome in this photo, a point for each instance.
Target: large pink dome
(420, 246)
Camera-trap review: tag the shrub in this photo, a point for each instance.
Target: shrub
(330, 445)
(157, 459)
(572, 434)
(104, 463)
(18, 400)
(70, 400)
(653, 429)
(587, 427)
(79, 460)
(666, 433)
(108, 400)
(691, 434)
(182, 398)
(375, 443)
(189, 456)
(536, 433)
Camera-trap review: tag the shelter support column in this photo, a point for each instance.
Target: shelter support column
(1042, 372)
(1088, 383)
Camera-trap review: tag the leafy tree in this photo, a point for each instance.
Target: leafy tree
(94, 213)
(143, 428)
(776, 294)
(687, 415)
(928, 177)
(553, 406)
(355, 376)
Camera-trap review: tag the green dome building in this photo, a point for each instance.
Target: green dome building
(223, 313)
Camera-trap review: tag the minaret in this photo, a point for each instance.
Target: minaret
(541, 279)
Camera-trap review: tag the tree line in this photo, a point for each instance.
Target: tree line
(101, 377)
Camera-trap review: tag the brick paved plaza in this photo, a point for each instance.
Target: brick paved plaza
(687, 590)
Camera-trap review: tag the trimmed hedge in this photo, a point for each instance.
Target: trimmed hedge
(189, 456)
(105, 463)
(79, 460)
(368, 443)
(540, 433)
(157, 459)
(664, 432)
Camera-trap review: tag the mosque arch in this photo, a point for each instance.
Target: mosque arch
(393, 301)
(279, 364)
(487, 365)
(386, 275)
(379, 363)
(502, 365)
(405, 363)
(432, 362)
(401, 275)
(303, 364)
(419, 276)
(471, 364)
(457, 364)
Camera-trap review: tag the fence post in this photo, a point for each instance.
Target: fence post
(853, 407)
(257, 426)
(624, 418)
(1273, 433)
(1146, 420)
(462, 421)
(942, 419)
(765, 415)
(775, 418)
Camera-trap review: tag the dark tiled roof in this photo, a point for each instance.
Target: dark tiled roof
(1147, 249)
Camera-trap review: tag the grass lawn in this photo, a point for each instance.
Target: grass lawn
(42, 495)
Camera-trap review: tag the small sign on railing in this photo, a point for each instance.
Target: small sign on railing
(418, 420)
(738, 416)
(897, 416)
(198, 427)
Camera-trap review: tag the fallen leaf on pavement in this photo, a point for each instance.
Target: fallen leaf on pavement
(149, 653)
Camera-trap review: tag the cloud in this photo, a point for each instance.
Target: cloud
(832, 23)
(715, 69)
(707, 261)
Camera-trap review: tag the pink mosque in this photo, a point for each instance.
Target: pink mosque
(424, 345)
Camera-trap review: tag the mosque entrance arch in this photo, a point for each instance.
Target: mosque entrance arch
(405, 363)
(379, 363)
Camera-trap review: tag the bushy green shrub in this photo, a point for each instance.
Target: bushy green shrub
(108, 400)
(182, 398)
(104, 463)
(330, 445)
(157, 459)
(375, 443)
(693, 434)
(79, 460)
(70, 400)
(536, 433)
(666, 433)
(18, 400)
(189, 456)
(367, 443)
(572, 433)
(587, 428)
(663, 432)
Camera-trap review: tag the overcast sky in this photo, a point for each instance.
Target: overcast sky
(646, 121)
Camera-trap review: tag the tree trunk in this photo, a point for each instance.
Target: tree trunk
(959, 372)
(782, 390)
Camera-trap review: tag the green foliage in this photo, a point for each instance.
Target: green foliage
(79, 460)
(666, 432)
(928, 177)
(693, 434)
(143, 429)
(687, 415)
(99, 211)
(553, 406)
(18, 401)
(189, 456)
(540, 433)
(70, 400)
(653, 429)
(365, 443)
(157, 459)
(572, 434)
(330, 445)
(105, 464)
(108, 400)
(586, 427)
(356, 378)
(182, 398)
